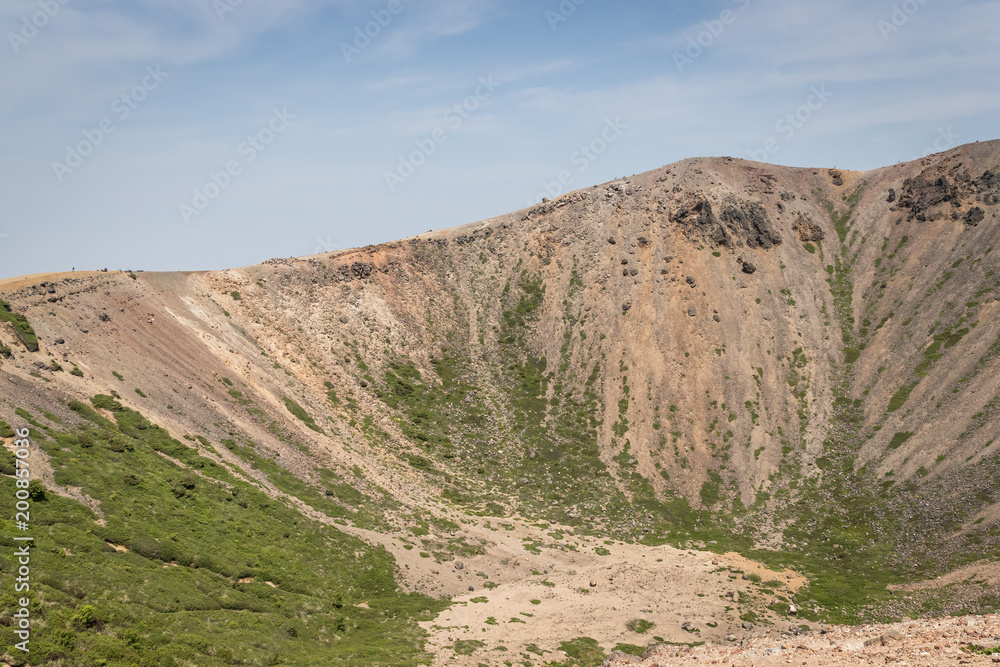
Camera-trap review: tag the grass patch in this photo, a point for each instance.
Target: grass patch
(639, 625)
(899, 398)
(22, 327)
(192, 587)
(302, 415)
(899, 438)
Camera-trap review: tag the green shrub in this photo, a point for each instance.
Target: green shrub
(7, 462)
(85, 616)
(639, 625)
(36, 490)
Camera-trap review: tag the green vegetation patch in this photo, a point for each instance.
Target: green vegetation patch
(899, 438)
(467, 646)
(208, 570)
(303, 416)
(22, 327)
(582, 652)
(899, 398)
(640, 625)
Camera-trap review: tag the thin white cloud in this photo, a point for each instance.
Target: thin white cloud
(398, 81)
(430, 22)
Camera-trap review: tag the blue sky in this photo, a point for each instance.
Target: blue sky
(204, 134)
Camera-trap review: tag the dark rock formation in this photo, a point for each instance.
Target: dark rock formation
(750, 223)
(808, 230)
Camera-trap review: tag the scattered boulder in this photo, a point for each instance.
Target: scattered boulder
(837, 176)
(892, 195)
(620, 658)
(975, 216)
(688, 626)
(749, 268)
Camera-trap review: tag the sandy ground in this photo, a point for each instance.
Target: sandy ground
(518, 603)
(924, 643)
(19, 282)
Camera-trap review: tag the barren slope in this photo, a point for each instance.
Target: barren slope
(717, 354)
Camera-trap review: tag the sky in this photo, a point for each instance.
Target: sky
(208, 134)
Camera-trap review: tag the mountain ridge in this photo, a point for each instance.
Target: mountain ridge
(763, 357)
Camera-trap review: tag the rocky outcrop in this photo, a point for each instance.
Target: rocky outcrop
(749, 222)
(920, 195)
(808, 230)
(741, 223)
(696, 217)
